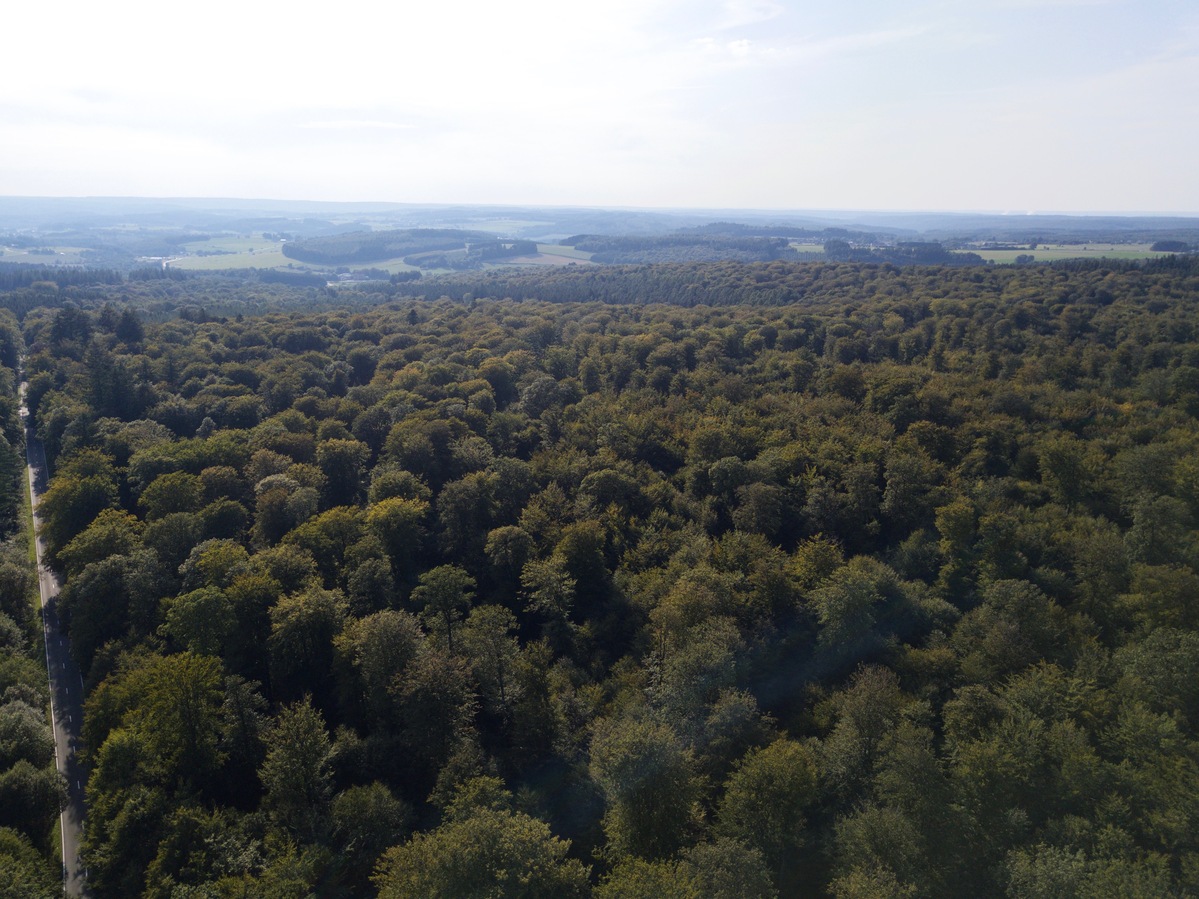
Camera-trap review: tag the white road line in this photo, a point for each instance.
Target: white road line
(47, 585)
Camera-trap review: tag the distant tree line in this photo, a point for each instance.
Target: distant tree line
(14, 275)
(902, 253)
(1172, 246)
(374, 246)
(683, 247)
(780, 283)
(473, 256)
(803, 235)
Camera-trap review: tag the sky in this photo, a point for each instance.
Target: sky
(941, 105)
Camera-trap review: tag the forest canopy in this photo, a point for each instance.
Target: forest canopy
(705, 580)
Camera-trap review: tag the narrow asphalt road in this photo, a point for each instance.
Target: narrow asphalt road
(66, 684)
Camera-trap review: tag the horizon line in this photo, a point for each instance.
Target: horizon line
(692, 210)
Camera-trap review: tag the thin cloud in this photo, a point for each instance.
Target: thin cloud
(358, 125)
(848, 44)
(740, 13)
(745, 51)
(740, 52)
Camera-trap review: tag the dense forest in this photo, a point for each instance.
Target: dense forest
(902, 253)
(30, 787)
(676, 581)
(806, 284)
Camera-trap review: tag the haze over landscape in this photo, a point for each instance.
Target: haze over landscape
(737, 449)
(1000, 105)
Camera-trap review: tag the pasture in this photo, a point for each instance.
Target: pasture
(60, 256)
(1054, 252)
(230, 252)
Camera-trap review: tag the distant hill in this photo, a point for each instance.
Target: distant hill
(690, 246)
(375, 246)
(131, 232)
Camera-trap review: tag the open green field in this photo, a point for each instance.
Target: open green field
(1053, 252)
(391, 266)
(553, 249)
(230, 252)
(244, 252)
(61, 256)
(547, 254)
(272, 258)
(232, 244)
(254, 252)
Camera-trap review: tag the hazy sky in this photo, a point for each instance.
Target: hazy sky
(1004, 105)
